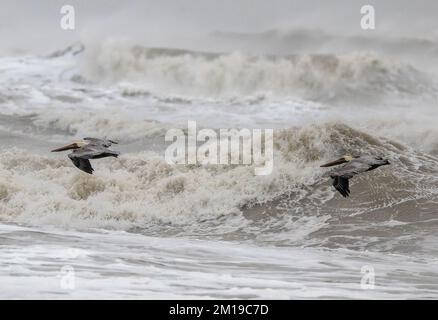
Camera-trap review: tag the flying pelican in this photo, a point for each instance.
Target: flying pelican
(355, 165)
(88, 148)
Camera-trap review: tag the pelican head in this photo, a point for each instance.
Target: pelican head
(344, 159)
(75, 145)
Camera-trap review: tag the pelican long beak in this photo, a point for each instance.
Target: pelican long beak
(334, 163)
(67, 147)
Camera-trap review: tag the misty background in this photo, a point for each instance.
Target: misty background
(279, 26)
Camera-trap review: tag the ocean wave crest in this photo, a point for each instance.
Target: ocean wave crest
(330, 77)
(140, 191)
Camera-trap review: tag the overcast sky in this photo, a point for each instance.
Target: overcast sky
(35, 24)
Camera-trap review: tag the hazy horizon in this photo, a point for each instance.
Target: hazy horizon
(29, 26)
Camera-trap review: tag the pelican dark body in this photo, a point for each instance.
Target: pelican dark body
(355, 165)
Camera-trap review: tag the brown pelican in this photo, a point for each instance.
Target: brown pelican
(355, 165)
(88, 148)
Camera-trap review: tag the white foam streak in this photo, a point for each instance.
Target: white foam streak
(139, 267)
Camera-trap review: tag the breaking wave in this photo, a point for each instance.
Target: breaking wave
(141, 192)
(330, 77)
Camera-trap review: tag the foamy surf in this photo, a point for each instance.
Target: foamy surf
(330, 77)
(141, 192)
(141, 267)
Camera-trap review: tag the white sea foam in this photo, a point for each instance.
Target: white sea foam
(141, 267)
(140, 190)
(354, 76)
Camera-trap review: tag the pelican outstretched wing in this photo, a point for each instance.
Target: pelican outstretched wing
(341, 184)
(81, 163)
(101, 142)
